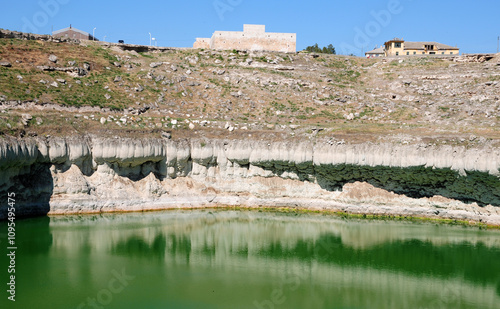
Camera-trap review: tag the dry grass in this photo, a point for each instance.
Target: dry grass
(320, 92)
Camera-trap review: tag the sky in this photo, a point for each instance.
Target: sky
(352, 27)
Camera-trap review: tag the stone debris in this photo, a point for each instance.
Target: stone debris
(219, 72)
(167, 135)
(155, 64)
(236, 94)
(474, 58)
(349, 116)
(5, 64)
(72, 71)
(53, 58)
(192, 59)
(284, 68)
(26, 118)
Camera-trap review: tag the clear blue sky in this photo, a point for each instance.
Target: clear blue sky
(351, 26)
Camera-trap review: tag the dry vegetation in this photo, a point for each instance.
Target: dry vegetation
(234, 93)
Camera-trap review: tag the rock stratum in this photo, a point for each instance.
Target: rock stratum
(94, 174)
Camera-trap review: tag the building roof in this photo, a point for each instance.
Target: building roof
(379, 50)
(395, 40)
(72, 29)
(421, 45)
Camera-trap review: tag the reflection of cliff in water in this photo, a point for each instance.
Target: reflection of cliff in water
(34, 235)
(320, 245)
(475, 263)
(34, 241)
(136, 246)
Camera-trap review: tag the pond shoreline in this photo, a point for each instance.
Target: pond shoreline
(365, 211)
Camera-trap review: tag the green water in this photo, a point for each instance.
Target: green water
(229, 259)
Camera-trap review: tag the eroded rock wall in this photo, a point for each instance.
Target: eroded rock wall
(95, 175)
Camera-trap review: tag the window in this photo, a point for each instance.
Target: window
(407, 53)
(442, 53)
(432, 53)
(397, 45)
(451, 53)
(397, 53)
(423, 53)
(414, 53)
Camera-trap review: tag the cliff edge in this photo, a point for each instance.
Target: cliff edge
(91, 175)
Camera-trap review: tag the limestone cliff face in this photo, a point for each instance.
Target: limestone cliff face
(94, 175)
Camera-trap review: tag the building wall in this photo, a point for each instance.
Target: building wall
(374, 55)
(252, 38)
(391, 50)
(73, 35)
(254, 29)
(413, 52)
(281, 42)
(202, 43)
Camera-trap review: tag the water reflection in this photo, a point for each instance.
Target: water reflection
(202, 259)
(475, 263)
(33, 235)
(135, 246)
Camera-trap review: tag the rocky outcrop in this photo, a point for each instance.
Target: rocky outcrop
(100, 175)
(8, 34)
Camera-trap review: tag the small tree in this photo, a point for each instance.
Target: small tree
(331, 49)
(325, 50)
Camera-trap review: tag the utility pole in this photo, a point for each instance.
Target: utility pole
(93, 34)
(149, 38)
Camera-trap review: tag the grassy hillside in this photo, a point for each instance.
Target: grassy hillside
(231, 92)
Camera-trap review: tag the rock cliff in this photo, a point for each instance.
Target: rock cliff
(91, 174)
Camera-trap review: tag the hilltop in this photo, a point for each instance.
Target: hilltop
(79, 88)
